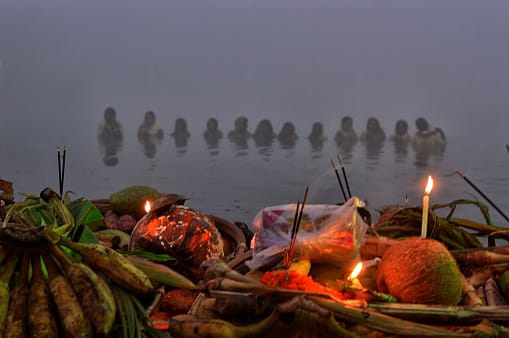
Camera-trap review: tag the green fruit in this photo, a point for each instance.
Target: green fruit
(420, 271)
(131, 200)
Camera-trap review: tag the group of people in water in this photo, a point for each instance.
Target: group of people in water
(150, 133)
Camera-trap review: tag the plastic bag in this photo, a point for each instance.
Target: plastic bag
(327, 233)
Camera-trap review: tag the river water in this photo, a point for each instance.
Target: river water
(62, 64)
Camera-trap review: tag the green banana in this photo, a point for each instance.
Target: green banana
(5, 277)
(15, 325)
(112, 264)
(108, 234)
(93, 293)
(72, 318)
(41, 321)
(161, 273)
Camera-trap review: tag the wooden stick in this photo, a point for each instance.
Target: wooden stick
(339, 179)
(344, 176)
(482, 194)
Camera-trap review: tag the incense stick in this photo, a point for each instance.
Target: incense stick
(63, 172)
(59, 171)
(482, 194)
(297, 225)
(294, 226)
(339, 179)
(344, 176)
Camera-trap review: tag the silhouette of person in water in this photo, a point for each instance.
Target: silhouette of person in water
(374, 132)
(401, 139)
(150, 134)
(239, 135)
(317, 138)
(180, 134)
(110, 137)
(212, 135)
(287, 136)
(427, 142)
(264, 134)
(346, 134)
(427, 137)
(373, 138)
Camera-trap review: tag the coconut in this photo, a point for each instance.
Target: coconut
(420, 271)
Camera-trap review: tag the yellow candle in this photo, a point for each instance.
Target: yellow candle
(425, 207)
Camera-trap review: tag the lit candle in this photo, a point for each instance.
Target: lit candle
(356, 283)
(147, 207)
(425, 207)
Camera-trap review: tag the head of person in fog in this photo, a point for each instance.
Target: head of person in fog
(347, 124)
(421, 124)
(110, 115)
(401, 128)
(150, 118)
(372, 125)
(287, 131)
(316, 130)
(264, 129)
(212, 125)
(180, 127)
(241, 124)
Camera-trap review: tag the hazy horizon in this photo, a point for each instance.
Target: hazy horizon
(62, 63)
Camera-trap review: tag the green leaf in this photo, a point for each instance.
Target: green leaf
(85, 213)
(87, 236)
(158, 258)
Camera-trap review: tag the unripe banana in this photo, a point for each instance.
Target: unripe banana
(190, 326)
(113, 265)
(72, 318)
(16, 323)
(41, 320)
(5, 276)
(93, 293)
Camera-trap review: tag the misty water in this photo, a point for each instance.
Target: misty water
(62, 63)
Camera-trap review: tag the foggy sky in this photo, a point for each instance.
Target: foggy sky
(287, 60)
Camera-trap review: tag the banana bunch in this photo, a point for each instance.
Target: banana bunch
(46, 292)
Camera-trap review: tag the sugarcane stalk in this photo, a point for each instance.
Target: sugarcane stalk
(493, 296)
(479, 258)
(479, 277)
(382, 322)
(442, 313)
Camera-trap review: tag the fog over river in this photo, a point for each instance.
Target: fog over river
(63, 62)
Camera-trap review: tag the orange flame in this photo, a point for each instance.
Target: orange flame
(147, 207)
(356, 271)
(429, 186)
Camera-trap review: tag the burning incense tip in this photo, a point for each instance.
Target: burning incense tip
(147, 207)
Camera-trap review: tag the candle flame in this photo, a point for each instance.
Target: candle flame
(356, 271)
(147, 207)
(429, 186)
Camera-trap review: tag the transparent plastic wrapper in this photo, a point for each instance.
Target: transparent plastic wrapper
(327, 233)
